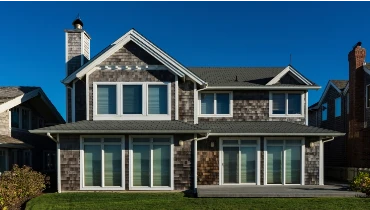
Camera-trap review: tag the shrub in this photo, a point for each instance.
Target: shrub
(361, 183)
(19, 185)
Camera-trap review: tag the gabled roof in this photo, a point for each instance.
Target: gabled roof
(10, 142)
(265, 128)
(145, 44)
(11, 96)
(250, 77)
(339, 85)
(119, 126)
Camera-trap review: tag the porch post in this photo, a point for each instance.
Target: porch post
(195, 163)
(321, 160)
(58, 166)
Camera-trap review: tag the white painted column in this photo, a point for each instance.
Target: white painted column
(306, 107)
(195, 104)
(195, 163)
(176, 97)
(59, 178)
(321, 168)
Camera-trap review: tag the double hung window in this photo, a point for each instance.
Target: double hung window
(215, 104)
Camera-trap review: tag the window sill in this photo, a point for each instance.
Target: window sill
(133, 117)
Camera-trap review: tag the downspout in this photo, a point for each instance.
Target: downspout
(321, 160)
(51, 137)
(59, 185)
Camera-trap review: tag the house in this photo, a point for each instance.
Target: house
(344, 107)
(22, 109)
(137, 119)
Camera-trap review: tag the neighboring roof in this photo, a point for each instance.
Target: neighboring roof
(9, 93)
(10, 142)
(340, 84)
(11, 96)
(265, 128)
(120, 126)
(132, 35)
(250, 77)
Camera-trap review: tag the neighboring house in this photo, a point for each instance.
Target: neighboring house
(345, 107)
(23, 109)
(137, 119)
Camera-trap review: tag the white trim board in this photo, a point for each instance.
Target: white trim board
(146, 45)
(324, 94)
(286, 71)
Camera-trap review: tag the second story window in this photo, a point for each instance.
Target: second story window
(215, 104)
(338, 106)
(324, 111)
(132, 101)
(286, 104)
(20, 118)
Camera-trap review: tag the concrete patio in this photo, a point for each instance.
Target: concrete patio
(292, 191)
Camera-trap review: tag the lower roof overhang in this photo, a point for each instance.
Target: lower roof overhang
(279, 134)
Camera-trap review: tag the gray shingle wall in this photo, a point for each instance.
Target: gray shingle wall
(131, 76)
(252, 106)
(186, 101)
(4, 123)
(183, 162)
(70, 162)
(312, 161)
(74, 51)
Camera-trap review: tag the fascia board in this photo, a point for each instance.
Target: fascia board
(277, 134)
(119, 131)
(18, 100)
(260, 88)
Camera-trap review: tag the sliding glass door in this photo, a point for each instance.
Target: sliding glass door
(239, 161)
(284, 161)
(151, 163)
(102, 162)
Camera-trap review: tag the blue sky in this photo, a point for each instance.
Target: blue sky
(319, 36)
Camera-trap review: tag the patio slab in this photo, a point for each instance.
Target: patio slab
(292, 191)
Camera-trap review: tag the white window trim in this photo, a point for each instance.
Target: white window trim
(335, 107)
(82, 166)
(172, 182)
(286, 104)
(21, 108)
(326, 105)
(215, 104)
(303, 160)
(258, 159)
(119, 116)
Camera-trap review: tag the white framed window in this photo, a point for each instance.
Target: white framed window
(132, 101)
(151, 163)
(27, 158)
(21, 118)
(215, 104)
(324, 111)
(338, 107)
(49, 160)
(102, 163)
(284, 161)
(286, 104)
(240, 160)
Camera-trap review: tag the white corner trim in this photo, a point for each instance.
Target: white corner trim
(176, 97)
(284, 72)
(321, 163)
(306, 107)
(59, 178)
(195, 163)
(135, 37)
(87, 97)
(73, 101)
(67, 120)
(195, 104)
(303, 161)
(66, 52)
(10, 120)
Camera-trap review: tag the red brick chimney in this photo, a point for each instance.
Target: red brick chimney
(356, 59)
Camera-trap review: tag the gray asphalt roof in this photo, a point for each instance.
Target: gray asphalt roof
(265, 127)
(8, 93)
(251, 127)
(10, 142)
(130, 126)
(341, 84)
(226, 76)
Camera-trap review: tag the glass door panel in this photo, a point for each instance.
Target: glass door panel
(112, 165)
(92, 162)
(161, 165)
(274, 164)
(248, 164)
(141, 165)
(231, 162)
(293, 164)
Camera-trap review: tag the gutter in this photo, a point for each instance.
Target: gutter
(51, 137)
(118, 131)
(327, 140)
(277, 134)
(261, 87)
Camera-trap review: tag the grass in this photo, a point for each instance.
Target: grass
(173, 200)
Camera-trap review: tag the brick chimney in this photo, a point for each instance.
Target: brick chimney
(356, 59)
(77, 46)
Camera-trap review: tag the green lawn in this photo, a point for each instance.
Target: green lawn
(158, 201)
